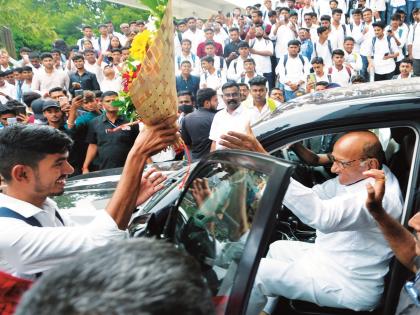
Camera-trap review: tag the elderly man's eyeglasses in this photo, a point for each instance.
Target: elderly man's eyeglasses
(344, 164)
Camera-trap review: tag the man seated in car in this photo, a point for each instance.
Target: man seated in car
(346, 265)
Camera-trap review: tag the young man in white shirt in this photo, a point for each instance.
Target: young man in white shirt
(355, 29)
(292, 70)
(323, 47)
(104, 39)
(186, 54)
(406, 69)
(261, 107)
(339, 73)
(195, 35)
(236, 67)
(368, 33)
(338, 30)
(91, 64)
(35, 235)
(400, 36)
(351, 58)
(49, 77)
(88, 35)
(383, 51)
(261, 51)
(319, 70)
(212, 78)
(307, 8)
(6, 90)
(413, 43)
(249, 72)
(219, 62)
(282, 33)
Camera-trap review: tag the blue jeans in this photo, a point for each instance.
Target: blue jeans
(365, 63)
(392, 10)
(288, 95)
(270, 79)
(410, 7)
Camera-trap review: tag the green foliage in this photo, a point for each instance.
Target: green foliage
(38, 23)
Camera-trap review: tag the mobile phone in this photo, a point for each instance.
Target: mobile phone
(20, 110)
(386, 54)
(78, 93)
(11, 121)
(63, 100)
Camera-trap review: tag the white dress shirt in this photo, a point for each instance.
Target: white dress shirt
(401, 34)
(354, 60)
(195, 63)
(196, 38)
(111, 85)
(324, 51)
(9, 90)
(224, 122)
(43, 81)
(341, 77)
(263, 63)
(294, 71)
(414, 39)
(282, 37)
(382, 66)
(28, 250)
(236, 68)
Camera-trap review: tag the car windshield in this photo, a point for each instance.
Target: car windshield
(218, 210)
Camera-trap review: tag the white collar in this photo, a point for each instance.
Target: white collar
(27, 209)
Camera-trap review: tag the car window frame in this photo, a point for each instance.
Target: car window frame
(271, 201)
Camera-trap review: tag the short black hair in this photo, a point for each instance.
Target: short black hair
(208, 29)
(137, 276)
(34, 55)
(208, 59)
(87, 51)
(379, 24)
(186, 61)
(272, 13)
(321, 30)
(78, 57)
(186, 40)
(250, 60)
(284, 9)
(46, 55)
(258, 81)
(184, 92)
(108, 93)
(325, 18)
(336, 11)
(358, 79)
(293, 42)
(230, 84)
(29, 144)
(347, 38)
(317, 60)
(259, 13)
(86, 26)
(396, 17)
(57, 89)
(204, 95)
(25, 49)
(233, 29)
(322, 83)
(27, 69)
(118, 50)
(407, 60)
(357, 11)
(18, 69)
(244, 84)
(338, 52)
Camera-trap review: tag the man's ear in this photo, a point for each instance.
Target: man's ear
(373, 163)
(20, 173)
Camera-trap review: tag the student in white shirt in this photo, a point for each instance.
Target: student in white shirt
(406, 69)
(319, 70)
(355, 28)
(400, 36)
(219, 62)
(383, 50)
(249, 72)
(338, 30)
(351, 58)
(88, 35)
(368, 33)
(37, 168)
(261, 106)
(261, 51)
(195, 35)
(186, 54)
(413, 43)
(212, 78)
(236, 67)
(307, 8)
(282, 33)
(111, 81)
(104, 39)
(339, 72)
(292, 70)
(323, 47)
(6, 90)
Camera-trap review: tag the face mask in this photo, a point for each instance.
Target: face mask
(186, 108)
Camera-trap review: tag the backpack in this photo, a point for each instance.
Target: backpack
(388, 39)
(329, 48)
(218, 72)
(286, 57)
(178, 60)
(345, 29)
(8, 213)
(330, 69)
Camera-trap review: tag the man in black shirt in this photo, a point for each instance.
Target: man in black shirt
(82, 79)
(111, 143)
(195, 128)
(231, 49)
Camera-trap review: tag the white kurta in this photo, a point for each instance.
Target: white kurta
(346, 265)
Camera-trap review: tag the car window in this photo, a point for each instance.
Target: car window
(218, 209)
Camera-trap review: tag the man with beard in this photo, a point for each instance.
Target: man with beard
(34, 235)
(53, 114)
(195, 128)
(235, 117)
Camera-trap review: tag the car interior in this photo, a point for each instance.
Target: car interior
(398, 144)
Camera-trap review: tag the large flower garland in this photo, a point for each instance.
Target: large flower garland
(132, 65)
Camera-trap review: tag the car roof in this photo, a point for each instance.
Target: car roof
(338, 103)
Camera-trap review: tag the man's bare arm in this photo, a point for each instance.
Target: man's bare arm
(399, 238)
(310, 157)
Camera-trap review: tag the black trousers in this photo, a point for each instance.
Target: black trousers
(383, 77)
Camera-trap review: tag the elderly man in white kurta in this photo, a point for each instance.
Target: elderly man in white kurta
(346, 265)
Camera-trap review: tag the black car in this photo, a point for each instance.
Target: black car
(230, 209)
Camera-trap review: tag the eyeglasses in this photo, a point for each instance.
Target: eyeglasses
(344, 164)
(233, 95)
(412, 291)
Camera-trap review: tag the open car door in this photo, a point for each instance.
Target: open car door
(224, 219)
